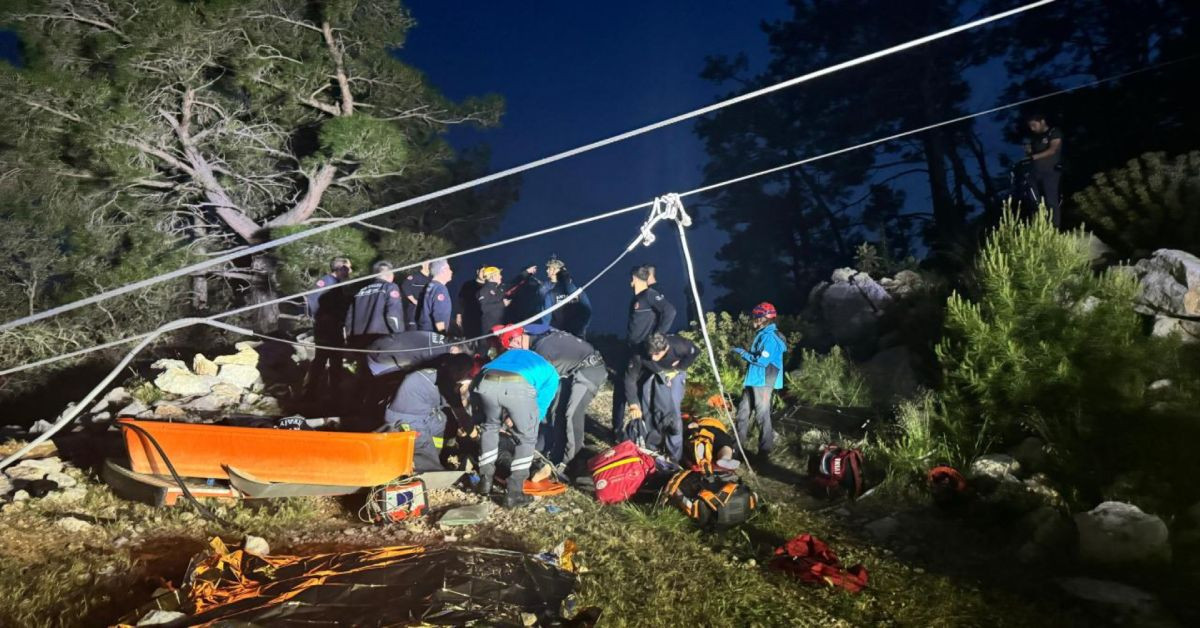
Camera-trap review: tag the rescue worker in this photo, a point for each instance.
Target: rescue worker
(573, 317)
(764, 375)
(398, 352)
(581, 371)
(491, 301)
(1045, 150)
(413, 287)
(375, 311)
(470, 314)
(656, 377)
(424, 402)
(524, 296)
(649, 313)
(522, 384)
(328, 311)
(436, 307)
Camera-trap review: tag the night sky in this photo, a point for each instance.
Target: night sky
(571, 76)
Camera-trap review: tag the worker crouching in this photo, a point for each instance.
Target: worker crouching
(426, 402)
(520, 384)
(656, 377)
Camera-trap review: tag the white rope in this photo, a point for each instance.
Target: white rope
(681, 223)
(701, 190)
(188, 270)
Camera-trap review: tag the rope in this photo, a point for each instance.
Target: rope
(700, 190)
(188, 270)
(681, 224)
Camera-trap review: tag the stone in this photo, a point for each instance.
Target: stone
(890, 375)
(1116, 533)
(1030, 454)
(40, 426)
(20, 496)
(246, 356)
(177, 379)
(204, 366)
(159, 617)
(851, 307)
(135, 408)
(883, 528)
(995, 467)
(62, 479)
(73, 525)
(30, 470)
(207, 403)
(169, 412)
(1128, 599)
(903, 284)
(6, 486)
(118, 397)
(256, 545)
(240, 375)
(67, 497)
(1169, 283)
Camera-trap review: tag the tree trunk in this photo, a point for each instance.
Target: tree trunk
(262, 289)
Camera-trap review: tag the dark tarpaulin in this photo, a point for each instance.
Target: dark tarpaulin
(390, 586)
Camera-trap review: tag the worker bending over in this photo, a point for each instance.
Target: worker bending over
(656, 378)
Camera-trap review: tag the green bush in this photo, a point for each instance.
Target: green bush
(830, 379)
(1044, 346)
(915, 444)
(1150, 203)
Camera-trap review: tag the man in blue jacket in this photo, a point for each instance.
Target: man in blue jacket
(764, 375)
(522, 384)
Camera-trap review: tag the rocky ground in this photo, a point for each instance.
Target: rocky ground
(71, 553)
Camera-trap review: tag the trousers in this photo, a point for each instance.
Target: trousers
(490, 400)
(756, 404)
(662, 414)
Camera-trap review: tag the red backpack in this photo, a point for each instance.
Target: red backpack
(834, 469)
(619, 472)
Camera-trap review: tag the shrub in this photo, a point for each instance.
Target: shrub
(828, 380)
(1045, 346)
(1149, 203)
(915, 444)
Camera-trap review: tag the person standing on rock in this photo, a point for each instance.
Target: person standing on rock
(764, 375)
(413, 287)
(521, 384)
(649, 313)
(436, 307)
(375, 311)
(328, 311)
(657, 376)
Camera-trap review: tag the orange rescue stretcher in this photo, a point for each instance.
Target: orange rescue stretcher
(235, 462)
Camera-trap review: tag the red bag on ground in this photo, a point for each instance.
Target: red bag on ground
(808, 558)
(619, 472)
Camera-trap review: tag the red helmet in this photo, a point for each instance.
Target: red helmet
(763, 310)
(507, 337)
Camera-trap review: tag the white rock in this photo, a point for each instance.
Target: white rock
(246, 356)
(134, 408)
(62, 480)
(118, 397)
(204, 366)
(1116, 533)
(998, 467)
(30, 470)
(256, 545)
(73, 525)
(40, 426)
(158, 617)
(240, 375)
(177, 379)
(6, 486)
(20, 496)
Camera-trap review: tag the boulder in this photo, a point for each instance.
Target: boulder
(177, 379)
(30, 470)
(995, 467)
(1116, 533)
(169, 412)
(850, 307)
(73, 525)
(243, 376)
(1031, 454)
(246, 356)
(1170, 287)
(890, 375)
(135, 408)
(255, 545)
(204, 366)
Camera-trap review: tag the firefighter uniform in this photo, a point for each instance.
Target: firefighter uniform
(375, 311)
(328, 311)
(660, 385)
(435, 308)
(491, 307)
(413, 287)
(418, 406)
(649, 313)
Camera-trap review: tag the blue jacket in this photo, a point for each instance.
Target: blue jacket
(535, 369)
(765, 353)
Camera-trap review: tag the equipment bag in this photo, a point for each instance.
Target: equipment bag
(619, 472)
(834, 469)
(704, 440)
(714, 502)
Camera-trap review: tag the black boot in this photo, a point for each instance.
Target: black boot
(514, 499)
(485, 485)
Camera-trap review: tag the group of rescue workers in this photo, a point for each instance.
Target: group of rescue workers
(517, 396)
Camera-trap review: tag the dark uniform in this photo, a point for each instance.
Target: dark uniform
(435, 308)
(649, 313)
(412, 348)
(412, 287)
(525, 296)
(374, 312)
(659, 384)
(468, 303)
(328, 311)
(1046, 171)
(491, 307)
(582, 372)
(419, 406)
